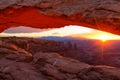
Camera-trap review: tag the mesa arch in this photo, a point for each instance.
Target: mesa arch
(99, 14)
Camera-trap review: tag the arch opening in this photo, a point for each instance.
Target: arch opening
(71, 30)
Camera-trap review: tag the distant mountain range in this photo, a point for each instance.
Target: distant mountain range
(23, 29)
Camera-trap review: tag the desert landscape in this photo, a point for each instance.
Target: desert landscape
(90, 51)
(59, 40)
(28, 58)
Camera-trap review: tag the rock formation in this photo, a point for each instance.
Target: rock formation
(99, 14)
(17, 63)
(85, 53)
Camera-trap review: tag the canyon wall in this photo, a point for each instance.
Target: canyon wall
(99, 14)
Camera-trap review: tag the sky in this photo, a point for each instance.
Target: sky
(77, 31)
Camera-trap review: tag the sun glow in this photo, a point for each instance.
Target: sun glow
(103, 37)
(106, 36)
(73, 31)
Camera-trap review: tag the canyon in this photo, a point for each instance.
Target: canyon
(46, 65)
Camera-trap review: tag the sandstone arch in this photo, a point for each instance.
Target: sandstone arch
(99, 14)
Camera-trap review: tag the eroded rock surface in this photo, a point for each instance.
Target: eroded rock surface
(17, 63)
(98, 14)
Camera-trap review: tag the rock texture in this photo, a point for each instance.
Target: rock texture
(16, 63)
(99, 14)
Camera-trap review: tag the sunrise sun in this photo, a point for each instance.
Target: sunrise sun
(103, 37)
(106, 37)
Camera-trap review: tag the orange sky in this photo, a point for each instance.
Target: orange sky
(75, 31)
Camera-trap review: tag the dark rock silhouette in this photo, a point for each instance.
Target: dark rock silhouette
(18, 63)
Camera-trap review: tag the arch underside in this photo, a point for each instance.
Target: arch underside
(97, 14)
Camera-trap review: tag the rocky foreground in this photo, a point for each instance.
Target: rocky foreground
(19, 63)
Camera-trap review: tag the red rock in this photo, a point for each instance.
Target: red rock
(98, 14)
(18, 71)
(54, 72)
(30, 17)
